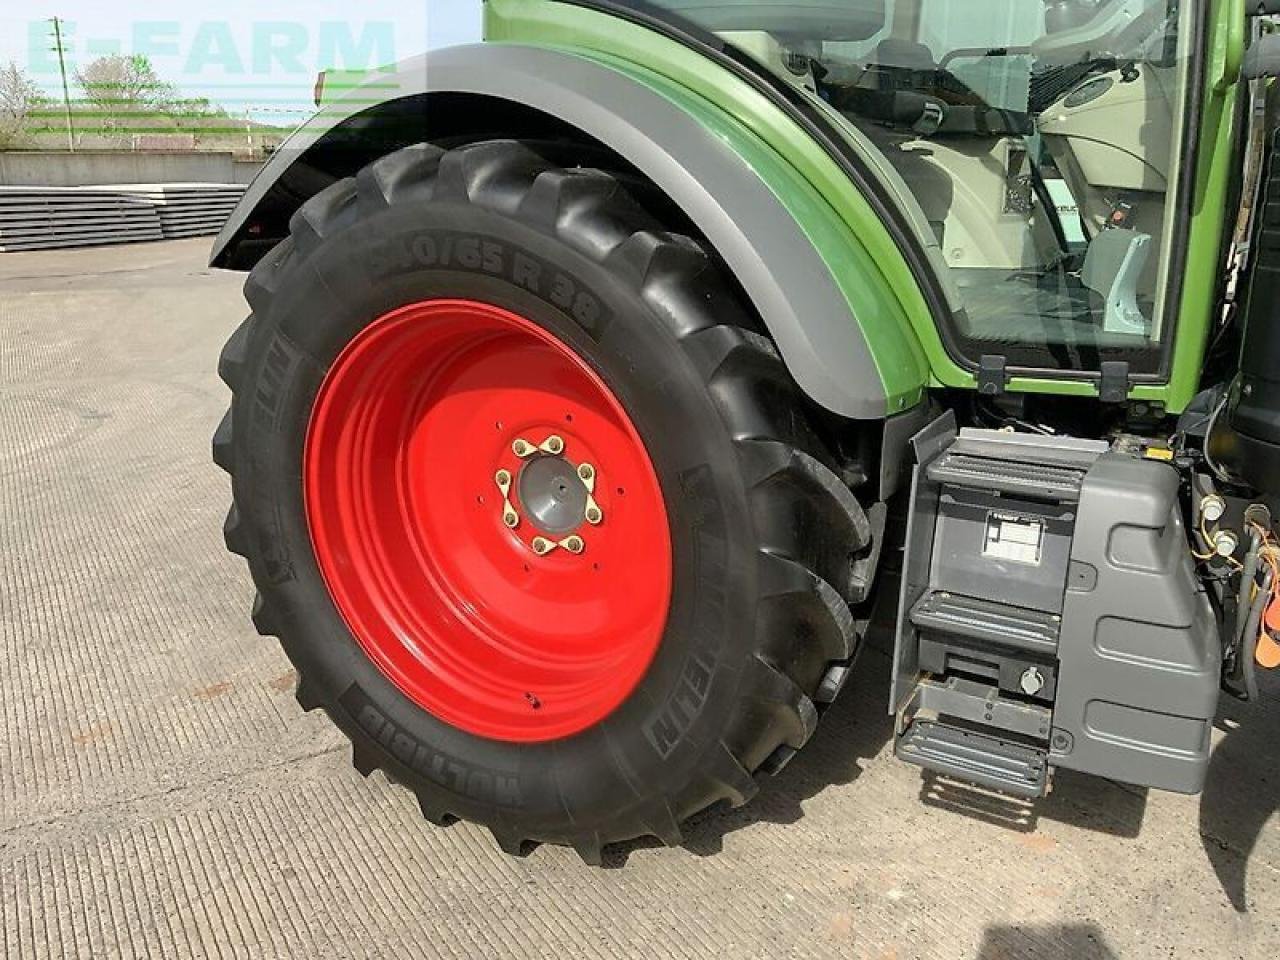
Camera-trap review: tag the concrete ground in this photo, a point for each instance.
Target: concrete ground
(162, 795)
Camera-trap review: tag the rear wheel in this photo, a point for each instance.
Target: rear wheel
(538, 517)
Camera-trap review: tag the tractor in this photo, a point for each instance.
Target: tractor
(607, 380)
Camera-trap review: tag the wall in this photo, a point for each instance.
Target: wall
(38, 168)
(243, 171)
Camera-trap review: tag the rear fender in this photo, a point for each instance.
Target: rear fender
(724, 179)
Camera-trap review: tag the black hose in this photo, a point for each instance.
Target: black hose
(1250, 645)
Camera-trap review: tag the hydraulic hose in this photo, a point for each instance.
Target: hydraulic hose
(1243, 599)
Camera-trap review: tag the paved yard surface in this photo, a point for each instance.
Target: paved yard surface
(161, 794)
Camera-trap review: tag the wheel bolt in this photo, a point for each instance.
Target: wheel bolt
(541, 546)
(521, 447)
(553, 444)
(593, 515)
(502, 478)
(573, 544)
(586, 471)
(511, 519)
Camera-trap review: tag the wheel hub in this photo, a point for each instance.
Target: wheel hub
(454, 475)
(552, 494)
(556, 495)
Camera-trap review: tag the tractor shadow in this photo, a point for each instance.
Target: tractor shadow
(1242, 790)
(1241, 796)
(853, 730)
(1073, 941)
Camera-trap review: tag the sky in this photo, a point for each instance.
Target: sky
(258, 57)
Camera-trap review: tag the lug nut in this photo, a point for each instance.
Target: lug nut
(542, 546)
(573, 544)
(521, 447)
(553, 444)
(593, 515)
(586, 471)
(511, 519)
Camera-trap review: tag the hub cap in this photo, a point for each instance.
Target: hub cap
(552, 494)
(487, 520)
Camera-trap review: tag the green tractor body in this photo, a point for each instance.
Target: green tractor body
(959, 307)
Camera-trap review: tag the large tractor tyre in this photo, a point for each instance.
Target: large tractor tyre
(537, 516)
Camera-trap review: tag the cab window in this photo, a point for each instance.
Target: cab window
(1035, 140)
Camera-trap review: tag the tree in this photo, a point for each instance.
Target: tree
(124, 84)
(19, 98)
(194, 108)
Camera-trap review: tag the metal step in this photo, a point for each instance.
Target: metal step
(958, 698)
(994, 762)
(987, 621)
(1025, 479)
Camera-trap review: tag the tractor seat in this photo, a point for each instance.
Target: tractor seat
(901, 55)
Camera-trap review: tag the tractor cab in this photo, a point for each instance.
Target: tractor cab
(1036, 148)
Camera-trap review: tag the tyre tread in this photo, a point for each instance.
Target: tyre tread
(807, 586)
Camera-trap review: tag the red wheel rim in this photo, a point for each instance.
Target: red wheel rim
(412, 431)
